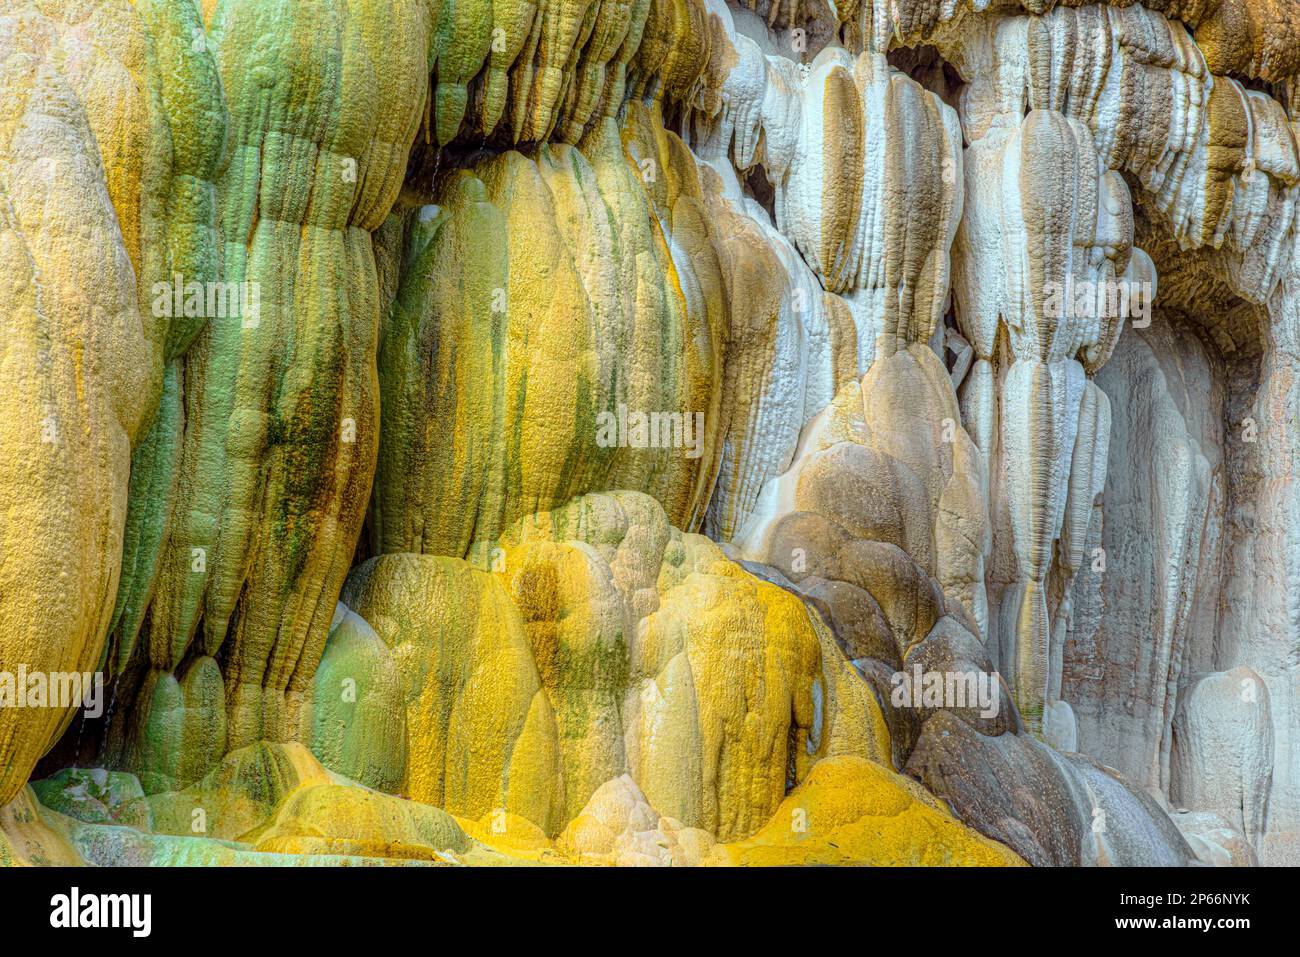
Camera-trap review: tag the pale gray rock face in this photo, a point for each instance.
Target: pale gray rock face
(1141, 525)
(1215, 841)
(1177, 663)
(1061, 727)
(1053, 809)
(1121, 674)
(1223, 754)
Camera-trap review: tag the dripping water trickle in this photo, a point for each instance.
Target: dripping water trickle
(437, 165)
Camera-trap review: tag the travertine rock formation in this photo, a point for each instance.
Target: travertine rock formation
(608, 644)
(82, 135)
(596, 422)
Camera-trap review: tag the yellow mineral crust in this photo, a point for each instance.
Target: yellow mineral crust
(575, 312)
(481, 734)
(273, 804)
(267, 804)
(853, 811)
(102, 50)
(604, 642)
(28, 840)
(75, 361)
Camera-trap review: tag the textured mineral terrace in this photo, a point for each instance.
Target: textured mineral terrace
(332, 329)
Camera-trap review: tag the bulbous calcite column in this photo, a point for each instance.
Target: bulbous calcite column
(280, 394)
(599, 641)
(188, 256)
(564, 318)
(92, 171)
(1045, 226)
